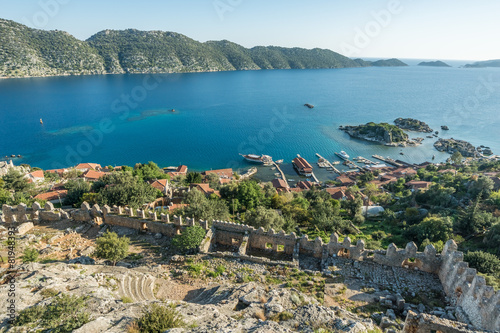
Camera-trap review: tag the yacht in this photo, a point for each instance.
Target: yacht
(343, 155)
(266, 159)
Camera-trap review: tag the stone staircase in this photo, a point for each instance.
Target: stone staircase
(138, 287)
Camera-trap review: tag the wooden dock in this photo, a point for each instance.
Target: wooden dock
(281, 172)
(388, 160)
(330, 165)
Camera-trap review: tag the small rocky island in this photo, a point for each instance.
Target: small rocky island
(413, 125)
(451, 146)
(383, 133)
(437, 63)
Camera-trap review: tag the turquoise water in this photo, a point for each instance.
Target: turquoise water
(125, 119)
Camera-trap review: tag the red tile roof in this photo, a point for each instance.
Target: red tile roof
(160, 184)
(37, 174)
(176, 206)
(279, 183)
(92, 174)
(305, 185)
(88, 166)
(223, 173)
(54, 195)
(182, 169)
(301, 163)
(337, 192)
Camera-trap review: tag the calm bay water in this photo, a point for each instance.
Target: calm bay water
(124, 119)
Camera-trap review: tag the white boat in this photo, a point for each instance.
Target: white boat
(258, 158)
(343, 155)
(279, 161)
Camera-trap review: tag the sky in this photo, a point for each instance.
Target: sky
(418, 29)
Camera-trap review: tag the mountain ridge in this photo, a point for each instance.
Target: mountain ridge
(27, 52)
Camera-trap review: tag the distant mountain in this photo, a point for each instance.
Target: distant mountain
(437, 63)
(31, 52)
(481, 64)
(380, 63)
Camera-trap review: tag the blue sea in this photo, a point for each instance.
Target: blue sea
(126, 119)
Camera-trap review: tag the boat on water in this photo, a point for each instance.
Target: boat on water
(41, 121)
(266, 159)
(279, 161)
(342, 155)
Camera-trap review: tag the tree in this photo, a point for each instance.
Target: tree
(149, 171)
(492, 238)
(193, 177)
(213, 180)
(249, 194)
(15, 181)
(473, 220)
(76, 189)
(190, 238)
(266, 218)
(484, 262)
(457, 158)
(206, 209)
(482, 187)
(5, 196)
(370, 191)
(111, 247)
(123, 189)
(432, 228)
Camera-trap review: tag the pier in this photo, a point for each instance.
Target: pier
(281, 172)
(388, 160)
(328, 164)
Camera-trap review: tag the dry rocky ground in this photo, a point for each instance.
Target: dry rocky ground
(212, 294)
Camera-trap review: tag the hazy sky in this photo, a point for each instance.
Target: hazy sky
(426, 29)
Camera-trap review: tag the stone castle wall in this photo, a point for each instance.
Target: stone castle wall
(479, 302)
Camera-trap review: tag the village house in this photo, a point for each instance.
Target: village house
(305, 185)
(205, 189)
(337, 193)
(302, 166)
(60, 172)
(92, 176)
(280, 185)
(84, 167)
(222, 173)
(35, 176)
(345, 181)
(180, 171)
(162, 185)
(53, 196)
(417, 185)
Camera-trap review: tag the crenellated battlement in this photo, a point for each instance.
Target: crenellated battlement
(468, 289)
(480, 302)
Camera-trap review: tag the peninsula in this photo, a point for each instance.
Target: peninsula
(27, 52)
(482, 64)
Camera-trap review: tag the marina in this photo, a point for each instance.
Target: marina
(388, 160)
(326, 164)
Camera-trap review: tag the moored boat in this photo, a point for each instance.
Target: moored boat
(342, 155)
(257, 158)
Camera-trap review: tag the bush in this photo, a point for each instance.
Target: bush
(111, 247)
(64, 314)
(190, 239)
(158, 318)
(379, 235)
(484, 262)
(30, 255)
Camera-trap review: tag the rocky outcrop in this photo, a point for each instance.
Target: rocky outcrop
(382, 133)
(452, 145)
(413, 125)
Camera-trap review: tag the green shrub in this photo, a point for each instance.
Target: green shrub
(64, 314)
(126, 299)
(190, 239)
(379, 235)
(111, 247)
(158, 318)
(30, 255)
(484, 262)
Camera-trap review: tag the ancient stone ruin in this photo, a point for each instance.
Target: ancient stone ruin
(479, 304)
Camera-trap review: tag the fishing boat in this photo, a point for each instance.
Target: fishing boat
(279, 161)
(342, 155)
(41, 121)
(266, 159)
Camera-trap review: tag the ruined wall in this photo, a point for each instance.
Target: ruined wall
(21, 213)
(272, 241)
(469, 290)
(425, 323)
